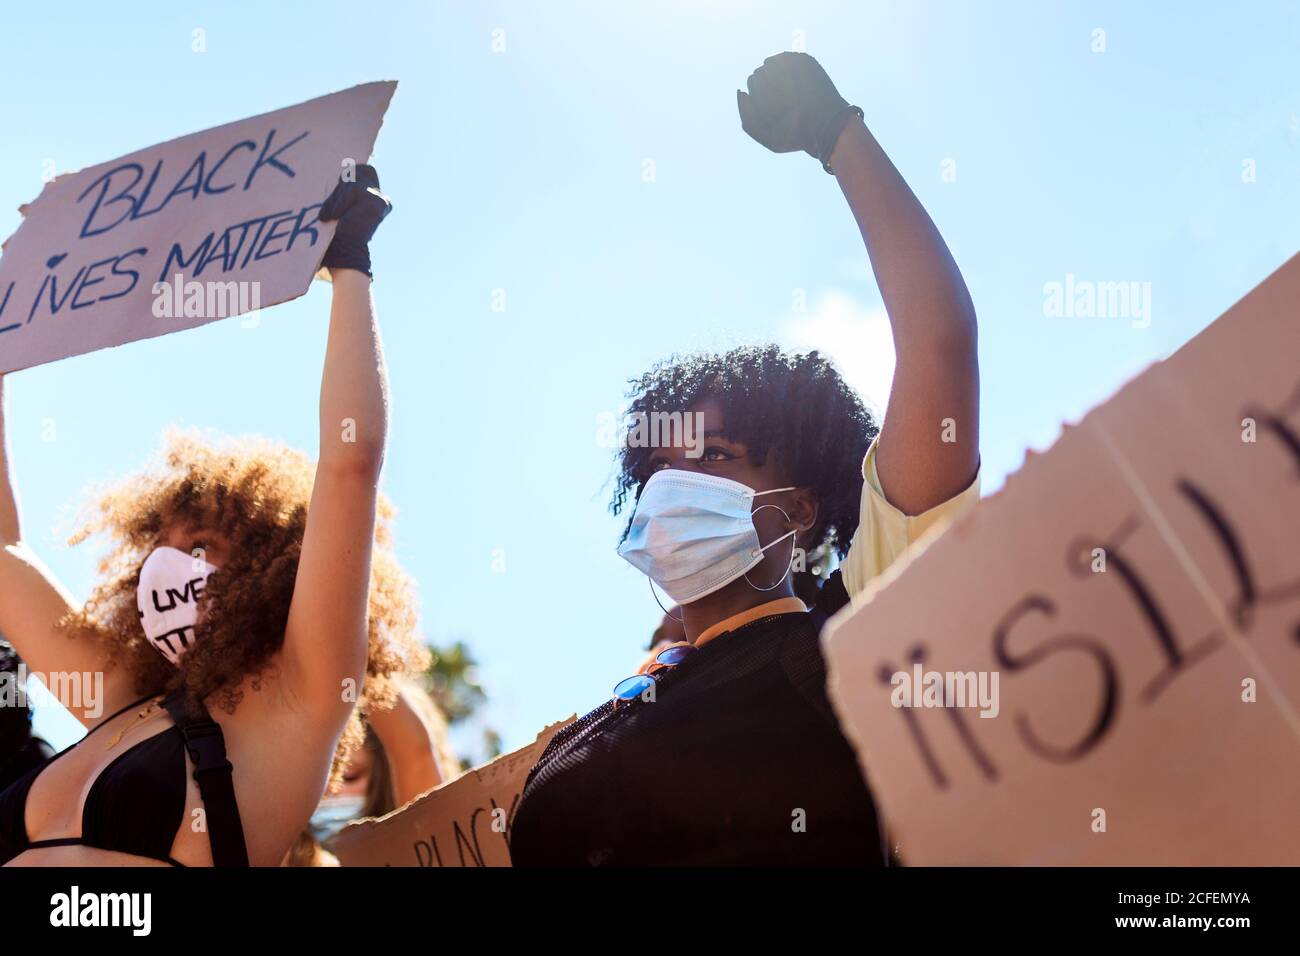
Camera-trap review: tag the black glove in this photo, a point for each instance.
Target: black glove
(792, 104)
(359, 207)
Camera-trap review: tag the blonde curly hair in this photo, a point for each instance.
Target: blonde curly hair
(254, 493)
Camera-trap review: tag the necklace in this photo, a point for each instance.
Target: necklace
(142, 715)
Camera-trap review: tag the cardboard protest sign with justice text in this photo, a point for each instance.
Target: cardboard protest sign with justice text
(1123, 621)
(207, 226)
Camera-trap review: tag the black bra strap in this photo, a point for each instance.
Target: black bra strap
(61, 841)
(78, 841)
(213, 772)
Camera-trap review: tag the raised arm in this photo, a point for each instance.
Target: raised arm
(32, 601)
(928, 449)
(326, 634)
(409, 737)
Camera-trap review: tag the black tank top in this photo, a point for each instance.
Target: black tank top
(739, 760)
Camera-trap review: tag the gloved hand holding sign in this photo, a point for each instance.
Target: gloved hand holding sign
(359, 208)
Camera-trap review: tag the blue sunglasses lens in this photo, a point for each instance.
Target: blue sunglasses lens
(632, 687)
(675, 655)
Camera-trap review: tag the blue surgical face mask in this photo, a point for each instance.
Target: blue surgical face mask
(693, 534)
(334, 813)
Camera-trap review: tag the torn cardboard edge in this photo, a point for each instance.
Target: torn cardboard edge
(464, 822)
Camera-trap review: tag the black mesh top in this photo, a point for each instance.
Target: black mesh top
(739, 760)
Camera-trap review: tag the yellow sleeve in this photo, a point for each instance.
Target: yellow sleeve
(885, 533)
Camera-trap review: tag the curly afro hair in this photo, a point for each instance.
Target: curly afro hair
(793, 405)
(255, 493)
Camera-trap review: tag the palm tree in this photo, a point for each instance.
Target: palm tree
(451, 680)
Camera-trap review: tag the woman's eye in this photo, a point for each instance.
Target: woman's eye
(659, 465)
(716, 454)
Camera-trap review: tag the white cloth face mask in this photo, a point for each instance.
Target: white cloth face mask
(693, 534)
(171, 582)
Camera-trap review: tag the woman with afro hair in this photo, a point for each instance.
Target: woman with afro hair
(723, 749)
(250, 606)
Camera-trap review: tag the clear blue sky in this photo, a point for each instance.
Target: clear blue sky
(523, 171)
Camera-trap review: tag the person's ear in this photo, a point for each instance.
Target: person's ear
(803, 510)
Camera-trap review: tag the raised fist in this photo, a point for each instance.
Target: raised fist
(359, 207)
(792, 104)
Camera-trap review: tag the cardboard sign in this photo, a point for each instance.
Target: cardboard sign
(462, 823)
(1135, 592)
(210, 225)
